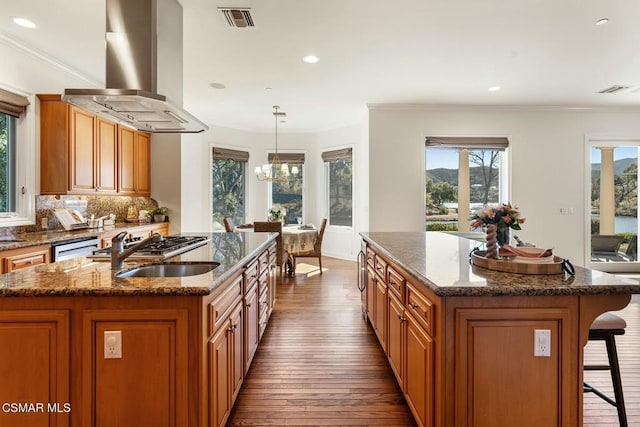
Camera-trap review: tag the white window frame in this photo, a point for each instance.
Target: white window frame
(27, 171)
(592, 141)
(340, 228)
(247, 191)
(305, 168)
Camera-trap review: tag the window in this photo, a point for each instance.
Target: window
(448, 202)
(15, 193)
(7, 163)
(614, 203)
(339, 175)
(228, 175)
(289, 195)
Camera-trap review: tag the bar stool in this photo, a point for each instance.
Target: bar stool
(605, 328)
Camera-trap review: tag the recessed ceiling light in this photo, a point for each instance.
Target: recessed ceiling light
(602, 21)
(217, 85)
(23, 22)
(267, 88)
(494, 88)
(310, 59)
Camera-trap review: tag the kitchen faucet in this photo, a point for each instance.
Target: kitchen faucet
(119, 253)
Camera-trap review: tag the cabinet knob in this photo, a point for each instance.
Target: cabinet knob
(248, 304)
(413, 305)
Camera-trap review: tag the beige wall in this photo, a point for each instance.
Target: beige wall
(548, 158)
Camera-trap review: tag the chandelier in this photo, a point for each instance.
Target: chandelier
(276, 170)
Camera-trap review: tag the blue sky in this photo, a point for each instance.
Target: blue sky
(618, 153)
(449, 158)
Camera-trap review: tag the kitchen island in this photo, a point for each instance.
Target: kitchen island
(461, 339)
(82, 347)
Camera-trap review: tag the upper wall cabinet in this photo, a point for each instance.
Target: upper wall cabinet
(79, 152)
(135, 149)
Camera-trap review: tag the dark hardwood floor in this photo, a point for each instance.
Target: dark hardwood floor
(320, 364)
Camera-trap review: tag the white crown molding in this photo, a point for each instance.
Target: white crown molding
(489, 107)
(25, 47)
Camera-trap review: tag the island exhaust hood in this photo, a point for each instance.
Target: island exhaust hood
(131, 75)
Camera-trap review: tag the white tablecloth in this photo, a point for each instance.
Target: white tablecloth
(297, 240)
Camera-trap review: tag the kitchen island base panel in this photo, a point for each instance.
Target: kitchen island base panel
(464, 357)
(182, 347)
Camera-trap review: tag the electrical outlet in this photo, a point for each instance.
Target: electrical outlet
(542, 343)
(113, 344)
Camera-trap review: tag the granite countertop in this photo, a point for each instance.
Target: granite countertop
(83, 276)
(24, 240)
(440, 261)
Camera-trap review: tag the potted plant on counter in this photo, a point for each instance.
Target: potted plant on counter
(159, 214)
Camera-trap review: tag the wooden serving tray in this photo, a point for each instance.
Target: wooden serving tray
(478, 259)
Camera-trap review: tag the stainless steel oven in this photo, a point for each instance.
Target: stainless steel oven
(74, 248)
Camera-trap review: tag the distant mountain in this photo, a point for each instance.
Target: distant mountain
(451, 175)
(619, 166)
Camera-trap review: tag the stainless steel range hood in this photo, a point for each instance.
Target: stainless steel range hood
(131, 75)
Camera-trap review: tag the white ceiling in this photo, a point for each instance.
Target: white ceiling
(541, 52)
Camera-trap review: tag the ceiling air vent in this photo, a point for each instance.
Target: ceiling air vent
(237, 18)
(614, 89)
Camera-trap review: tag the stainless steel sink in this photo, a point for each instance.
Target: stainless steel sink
(169, 269)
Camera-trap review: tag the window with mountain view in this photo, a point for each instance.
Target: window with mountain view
(485, 185)
(614, 203)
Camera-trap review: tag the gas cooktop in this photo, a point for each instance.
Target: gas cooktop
(166, 248)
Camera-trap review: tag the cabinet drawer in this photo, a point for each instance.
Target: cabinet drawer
(263, 259)
(371, 257)
(221, 306)
(28, 260)
(381, 267)
(251, 274)
(421, 308)
(16, 259)
(396, 283)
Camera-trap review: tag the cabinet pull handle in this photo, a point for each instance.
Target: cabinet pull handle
(232, 328)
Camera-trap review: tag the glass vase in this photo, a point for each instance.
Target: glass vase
(503, 235)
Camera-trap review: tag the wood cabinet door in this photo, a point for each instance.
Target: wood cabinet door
(54, 149)
(35, 352)
(381, 313)
(252, 325)
(148, 383)
(106, 156)
(127, 160)
(81, 150)
(237, 347)
(396, 339)
(419, 383)
(219, 377)
(143, 164)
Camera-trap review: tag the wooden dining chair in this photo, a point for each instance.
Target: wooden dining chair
(316, 252)
(273, 227)
(228, 224)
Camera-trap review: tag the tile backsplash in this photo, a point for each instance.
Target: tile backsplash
(86, 205)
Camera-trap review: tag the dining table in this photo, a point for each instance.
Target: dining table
(296, 239)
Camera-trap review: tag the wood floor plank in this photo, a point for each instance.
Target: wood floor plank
(320, 364)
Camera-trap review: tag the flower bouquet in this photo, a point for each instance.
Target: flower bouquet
(499, 220)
